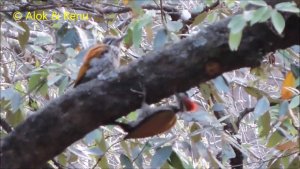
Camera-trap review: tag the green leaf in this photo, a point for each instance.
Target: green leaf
(284, 107)
(248, 15)
(15, 101)
(125, 162)
(62, 159)
(260, 14)
(199, 19)
(212, 17)
(266, 15)
(208, 2)
(236, 24)
(258, 2)
(15, 118)
(205, 90)
(219, 107)
(287, 7)
(254, 92)
(297, 83)
(69, 39)
(132, 116)
(37, 49)
(195, 138)
(160, 39)
(295, 163)
(275, 164)
(289, 126)
(33, 82)
(235, 40)
(125, 147)
(44, 89)
(161, 156)
(136, 154)
(7, 93)
(128, 38)
(103, 162)
(264, 125)
(278, 21)
(145, 20)
(19, 87)
(53, 78)
(24, 36)
(285, 161)
(63, 85)
(175, 161)
(137, 29)
(91, 137)
(295, 102)
(295, 70)
(70, 52)
(260, 72)
(174, 26)
(93, 150)
(38, 80)
(261, 107)
(275, 138)
(221, 84)
(137, 35)
(166, 166)
(33, 104)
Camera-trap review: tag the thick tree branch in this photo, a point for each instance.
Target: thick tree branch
(176, 68)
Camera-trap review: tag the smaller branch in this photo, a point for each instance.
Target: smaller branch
(295, 119)
(100, 158)
(145, 145)
(237, 161)
(163, 17)
(242, 115)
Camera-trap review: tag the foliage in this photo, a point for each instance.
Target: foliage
(40, 60)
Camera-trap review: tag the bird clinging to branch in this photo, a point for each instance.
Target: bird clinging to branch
(100, 59)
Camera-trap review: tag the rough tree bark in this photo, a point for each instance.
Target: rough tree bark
(176, 68)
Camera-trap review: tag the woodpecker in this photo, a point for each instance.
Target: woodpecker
(100, 59)
(157, 120)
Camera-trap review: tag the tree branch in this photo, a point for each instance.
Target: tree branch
(176, 68)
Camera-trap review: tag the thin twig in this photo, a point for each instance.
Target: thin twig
(100, 158)
(140, 152)
(242, 115)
